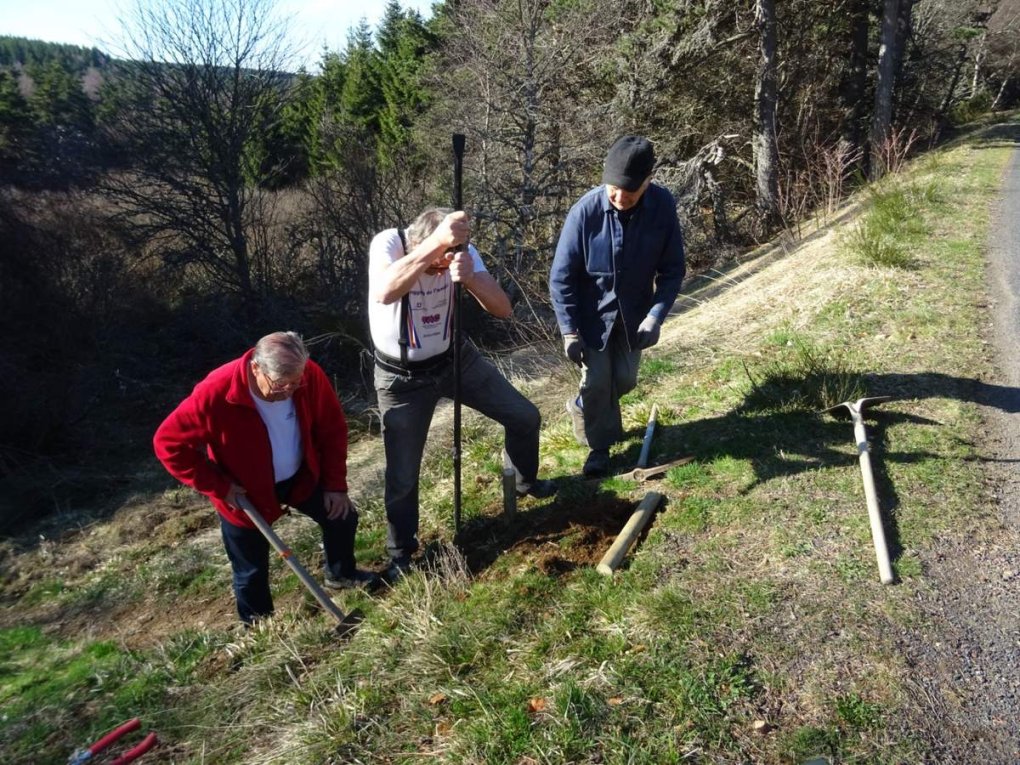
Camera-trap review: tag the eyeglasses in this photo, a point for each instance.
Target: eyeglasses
(275, 386)
(278, 387)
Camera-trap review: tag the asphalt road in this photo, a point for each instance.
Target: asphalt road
(1004, 282)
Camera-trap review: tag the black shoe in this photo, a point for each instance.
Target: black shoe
(360, 578)
(398, 569)
(577, 420)
(597, 464)
(540, 489)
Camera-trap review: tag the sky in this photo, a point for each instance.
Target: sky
(92, 23)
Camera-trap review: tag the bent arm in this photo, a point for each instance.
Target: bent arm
(180, 444)
(329, 429)
(400, 275)
(490, 296)
(564, 274)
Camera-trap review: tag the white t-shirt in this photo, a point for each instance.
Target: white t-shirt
(430, 314)
(281, 421)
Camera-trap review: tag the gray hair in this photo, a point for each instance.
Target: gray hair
(281, 354)
(425, 224)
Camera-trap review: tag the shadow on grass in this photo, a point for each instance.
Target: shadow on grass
(585, 516)
(1005, 135)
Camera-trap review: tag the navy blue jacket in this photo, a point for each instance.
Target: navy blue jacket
(599, 275)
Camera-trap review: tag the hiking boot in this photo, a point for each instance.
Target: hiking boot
(360, 578)
(577, 419)
(398, 569)
(540, 489)
(597, 464)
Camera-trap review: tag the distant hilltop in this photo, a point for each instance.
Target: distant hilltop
(21, 52)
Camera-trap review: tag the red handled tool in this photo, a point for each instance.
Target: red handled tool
(86, 755)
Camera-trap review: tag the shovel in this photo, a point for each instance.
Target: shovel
(344, 623)
(857, 409)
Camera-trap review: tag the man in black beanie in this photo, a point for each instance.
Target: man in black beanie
(615, 276)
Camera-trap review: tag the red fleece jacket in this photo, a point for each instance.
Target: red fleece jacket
(216, 436)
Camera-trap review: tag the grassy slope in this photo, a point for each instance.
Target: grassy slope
(749, 625)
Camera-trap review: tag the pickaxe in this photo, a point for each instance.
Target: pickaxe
(644, 473)
(856, 409)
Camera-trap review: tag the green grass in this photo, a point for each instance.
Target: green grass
(48, 684)
(802, 375)
(893, 222)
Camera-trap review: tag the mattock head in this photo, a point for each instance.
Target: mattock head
(856, 407)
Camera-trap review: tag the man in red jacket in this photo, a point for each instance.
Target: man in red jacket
(267, 425)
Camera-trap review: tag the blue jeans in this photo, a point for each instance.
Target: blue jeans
(406, 404)
(248, 552)
(606, 376)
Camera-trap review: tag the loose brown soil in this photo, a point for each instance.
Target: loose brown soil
(559, 537)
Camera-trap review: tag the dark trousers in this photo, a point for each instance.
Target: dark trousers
(606, 377)
(248, 552)
(406, 404)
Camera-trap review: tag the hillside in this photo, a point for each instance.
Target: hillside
(749, 624)
(20, 52)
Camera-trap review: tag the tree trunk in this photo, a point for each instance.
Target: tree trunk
(764, 141)
(856, 81)
(904, 29)
(998, 96)
(882, 115)
(979, 58)
(947, 102)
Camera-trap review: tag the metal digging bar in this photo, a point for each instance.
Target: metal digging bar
(857, 409)
(646, 446)
(344, 623)
(458, 204)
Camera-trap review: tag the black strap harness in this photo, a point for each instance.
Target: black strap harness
(404, 366)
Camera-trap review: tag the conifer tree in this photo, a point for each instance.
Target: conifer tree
(58, 99)
(361, 95)
(17, 127)
(404, 44)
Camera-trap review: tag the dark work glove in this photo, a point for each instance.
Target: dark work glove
(573, 348)
(648, 333)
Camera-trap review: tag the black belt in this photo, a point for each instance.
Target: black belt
(412, 367)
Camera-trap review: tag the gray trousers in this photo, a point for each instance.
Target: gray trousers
(606, 376)
(406, 405)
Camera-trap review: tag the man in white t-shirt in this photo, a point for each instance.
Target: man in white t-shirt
(411, 302)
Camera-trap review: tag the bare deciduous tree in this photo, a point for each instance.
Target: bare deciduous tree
(204, 84)
(1004, 48)
(524, 90)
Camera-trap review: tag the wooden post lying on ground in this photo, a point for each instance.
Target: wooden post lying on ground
(631, 531)
(646, 447)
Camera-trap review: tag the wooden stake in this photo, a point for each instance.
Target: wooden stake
(631, 531)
